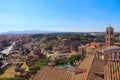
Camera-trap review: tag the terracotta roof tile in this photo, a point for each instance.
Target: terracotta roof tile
(49, 73)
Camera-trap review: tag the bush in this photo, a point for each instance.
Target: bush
(48, 47)
(38, 65)
(61, 61)
(75, 57)
(15, 78)
(5, 43)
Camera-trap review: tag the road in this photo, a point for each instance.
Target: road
(8, 49)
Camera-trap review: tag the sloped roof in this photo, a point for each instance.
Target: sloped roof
(86, 64)
(49, 73)
(94, 69)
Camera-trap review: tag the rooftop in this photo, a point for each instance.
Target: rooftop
(90, 68)
(49, 73)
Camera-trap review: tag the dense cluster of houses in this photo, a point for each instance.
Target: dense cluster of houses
(98, 58)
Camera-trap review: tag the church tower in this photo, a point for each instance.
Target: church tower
(109, 36)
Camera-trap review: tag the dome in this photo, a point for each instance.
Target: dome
(36, 48)
(109, 27)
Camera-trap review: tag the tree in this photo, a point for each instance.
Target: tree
(38, 65)
(1, 59)
(26, 51)
(5, 43)
(48, 47)
(75, 57)
(61, 61)
(15, 78)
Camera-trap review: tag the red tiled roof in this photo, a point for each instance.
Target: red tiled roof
(49, 73)
(114, 46)
(88, 70)
(92, 65)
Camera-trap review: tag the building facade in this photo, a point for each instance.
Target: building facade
(112, 70)
(82, 50)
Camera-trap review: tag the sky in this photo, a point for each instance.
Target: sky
(59, 15)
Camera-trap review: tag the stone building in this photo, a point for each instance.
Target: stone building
(37, 50)
(32, 59)
(74, 45)
(82, 50)
(34, 55)
(112, 53)
(65, 42)
(109, 36)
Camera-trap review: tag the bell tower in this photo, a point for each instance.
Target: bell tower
(109, 35)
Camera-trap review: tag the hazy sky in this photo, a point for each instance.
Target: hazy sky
(59, 15)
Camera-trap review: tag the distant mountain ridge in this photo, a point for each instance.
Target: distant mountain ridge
(27, 32)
